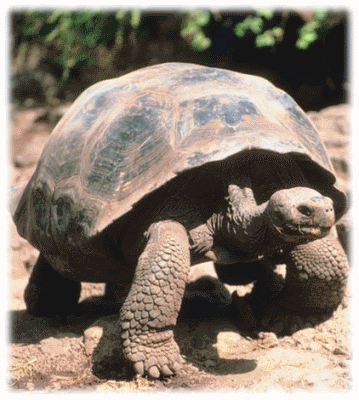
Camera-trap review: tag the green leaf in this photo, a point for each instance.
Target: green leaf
(278, 32)
(53, 34)
(265, 40)
(54, 16)
(192, 29)
(200, 42)
(239, 29)
(267, 14)
(121, 14)
(302, 44)
(250, 23)
(189, 30)
(321, 14)
(310, 37)
(135, 18)
(119, 38)
(256, 25)
(203, 17)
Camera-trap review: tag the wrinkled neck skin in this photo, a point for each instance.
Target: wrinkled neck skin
(241, 231)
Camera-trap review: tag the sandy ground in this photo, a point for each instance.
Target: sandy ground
(47, 356)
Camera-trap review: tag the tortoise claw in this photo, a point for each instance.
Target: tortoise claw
(153, 372)
(139, 368)
(166, 370)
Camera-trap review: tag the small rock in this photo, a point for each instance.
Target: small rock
(340, 351)
(343, 364)
(92, 337)
(267, 339)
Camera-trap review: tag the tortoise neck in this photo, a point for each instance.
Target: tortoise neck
(248, 234)
(242, 222)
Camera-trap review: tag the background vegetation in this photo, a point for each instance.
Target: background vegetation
(60, 52)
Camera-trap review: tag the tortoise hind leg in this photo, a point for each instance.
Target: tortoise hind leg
(48, 294)
(315, 283)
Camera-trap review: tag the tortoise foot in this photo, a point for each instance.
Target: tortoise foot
(280, 319)
(153, 354)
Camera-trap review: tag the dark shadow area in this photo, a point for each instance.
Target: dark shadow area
(25, 328)
(206, 313)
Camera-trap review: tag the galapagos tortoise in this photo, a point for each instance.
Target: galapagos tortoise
(169, 166)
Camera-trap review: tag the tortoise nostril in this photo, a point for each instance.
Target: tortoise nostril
(305, 210)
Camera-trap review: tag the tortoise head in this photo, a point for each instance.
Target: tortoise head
(300, 214)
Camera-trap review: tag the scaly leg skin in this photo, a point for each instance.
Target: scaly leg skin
(48, 294)
(153, 303)
(315, 284)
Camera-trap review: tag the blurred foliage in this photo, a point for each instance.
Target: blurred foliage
(72, 36)
(257, 25)
(75, 34)
(192, 31)
(308, 33)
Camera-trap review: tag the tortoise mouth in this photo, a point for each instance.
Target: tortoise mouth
(301, 232)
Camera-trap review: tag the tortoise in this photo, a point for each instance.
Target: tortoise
(169, 166)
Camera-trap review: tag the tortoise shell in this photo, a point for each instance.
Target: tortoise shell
(125, 137)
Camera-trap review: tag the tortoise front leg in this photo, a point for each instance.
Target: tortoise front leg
(315, 281)
(153, 303)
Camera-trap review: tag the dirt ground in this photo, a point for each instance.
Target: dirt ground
(47, 356)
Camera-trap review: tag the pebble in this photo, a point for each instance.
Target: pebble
(268, 339)
(340, 351)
